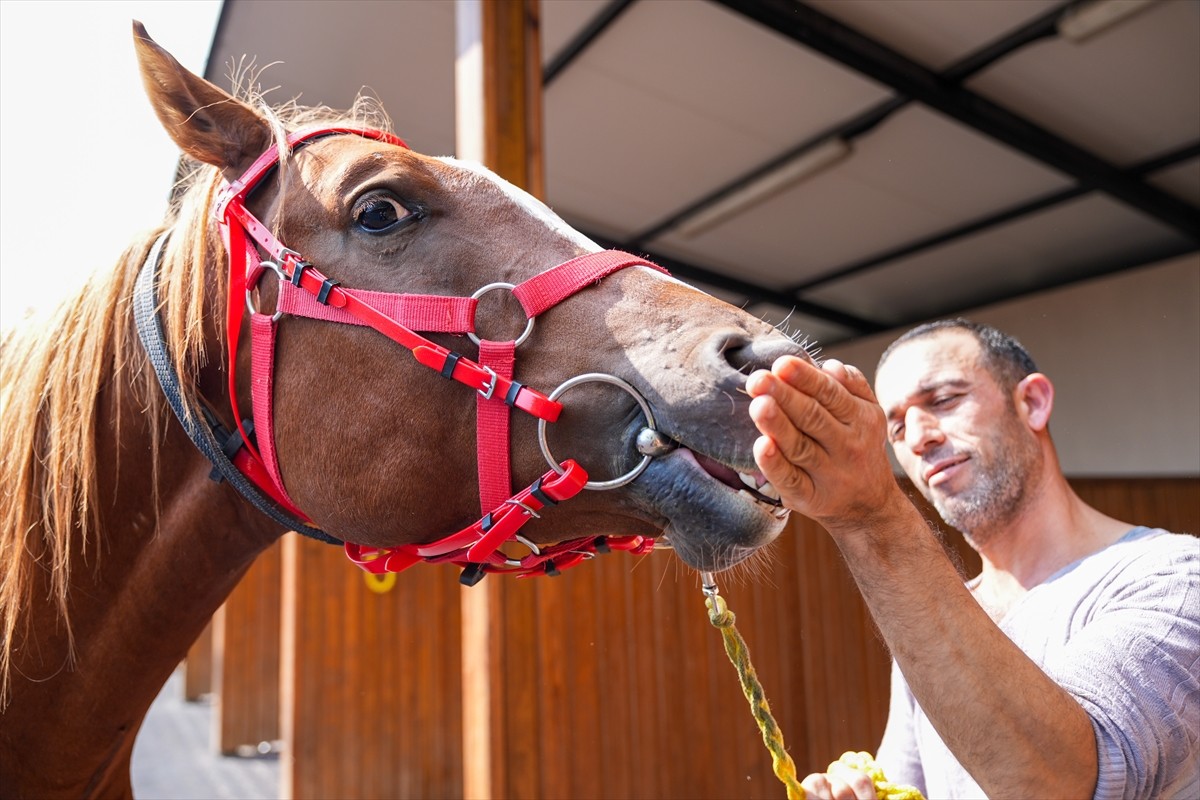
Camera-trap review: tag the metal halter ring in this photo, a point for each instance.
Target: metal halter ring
(249, 289)
(598, 377)
(484, 290)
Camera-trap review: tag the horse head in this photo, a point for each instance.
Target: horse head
(380, 450)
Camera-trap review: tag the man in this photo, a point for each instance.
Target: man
(1070, 667)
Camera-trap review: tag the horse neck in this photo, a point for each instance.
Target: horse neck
(167, 545)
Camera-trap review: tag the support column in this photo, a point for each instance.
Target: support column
(498, 90)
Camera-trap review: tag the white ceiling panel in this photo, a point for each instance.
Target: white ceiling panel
(933, 33)
(561, 21)
(914, 175)
(402, 52)
(660, 109)
(1089, 235)
(1129, 93)
(1182, 180)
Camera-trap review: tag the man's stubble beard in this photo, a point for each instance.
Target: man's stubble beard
(999, 492)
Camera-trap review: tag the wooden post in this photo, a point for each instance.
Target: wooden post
(245, 646)
(498, 89)
(198, 666)
(370, 703)
(499, 122)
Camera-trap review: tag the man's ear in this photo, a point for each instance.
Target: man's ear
(1034, 399)
(206, 122)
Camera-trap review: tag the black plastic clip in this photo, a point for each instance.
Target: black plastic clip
(326, 286)
(231, 441)
(551, 570)
(537, 492)
(298, 271)
(510, 397)
(448, 367)
(472, 574)
(601, 545)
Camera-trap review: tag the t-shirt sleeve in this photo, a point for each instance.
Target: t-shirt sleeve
(1134, 667)
(898, 755)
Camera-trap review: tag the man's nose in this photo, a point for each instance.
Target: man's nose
(921, 430)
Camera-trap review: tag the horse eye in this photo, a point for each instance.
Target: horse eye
(379, 214)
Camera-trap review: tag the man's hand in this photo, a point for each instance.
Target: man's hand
(823, 442)
(840, 783)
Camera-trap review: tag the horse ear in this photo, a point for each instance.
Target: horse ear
(206, 122)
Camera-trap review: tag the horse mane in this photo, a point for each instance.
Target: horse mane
(80, 368)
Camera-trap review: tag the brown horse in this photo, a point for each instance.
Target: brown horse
(117, 545)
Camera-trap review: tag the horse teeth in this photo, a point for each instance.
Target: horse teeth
(748, 480)
(769, 490)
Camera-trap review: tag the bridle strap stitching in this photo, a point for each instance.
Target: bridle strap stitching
(547, 289)
(420, 312)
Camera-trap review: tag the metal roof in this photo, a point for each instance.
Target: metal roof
(847, 165)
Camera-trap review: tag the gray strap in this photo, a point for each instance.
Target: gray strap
(150, 331)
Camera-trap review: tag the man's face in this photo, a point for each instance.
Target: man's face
(956, 433)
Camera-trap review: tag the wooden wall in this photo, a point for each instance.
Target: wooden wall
(614, 682)
(370, 681)
(245, 643)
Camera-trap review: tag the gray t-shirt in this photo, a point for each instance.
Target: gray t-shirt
(1120, 631)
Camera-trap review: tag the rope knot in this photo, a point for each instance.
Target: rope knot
(718, 613)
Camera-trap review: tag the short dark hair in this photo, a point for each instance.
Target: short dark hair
(1003, 356)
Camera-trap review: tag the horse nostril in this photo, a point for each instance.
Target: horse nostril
(746, 354)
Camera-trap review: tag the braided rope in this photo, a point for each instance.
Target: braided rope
(785, 769)
(735, 647)
(884, 789)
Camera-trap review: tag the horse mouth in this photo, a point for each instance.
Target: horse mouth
(717, 514)
(753, 484)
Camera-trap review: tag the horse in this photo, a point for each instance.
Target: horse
(139, 487)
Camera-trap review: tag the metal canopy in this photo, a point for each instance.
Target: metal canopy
(846, 165)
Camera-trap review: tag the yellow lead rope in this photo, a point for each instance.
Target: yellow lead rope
(785, 769)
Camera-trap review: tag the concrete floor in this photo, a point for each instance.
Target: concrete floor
(172, 758)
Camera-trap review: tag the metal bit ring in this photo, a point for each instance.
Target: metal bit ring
(598, 377)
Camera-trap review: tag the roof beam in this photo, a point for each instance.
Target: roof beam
(1186, 153)
(583, 40)
(1041, 27)
(824, 35)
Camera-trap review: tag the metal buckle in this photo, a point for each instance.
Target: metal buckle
(490, 387)
(250, 289)
(529, 511)
(598, 377)
(490, 287)
(534, 550)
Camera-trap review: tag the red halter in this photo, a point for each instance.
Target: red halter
(304, 291)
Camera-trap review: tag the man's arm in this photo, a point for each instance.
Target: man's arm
(1011, 727)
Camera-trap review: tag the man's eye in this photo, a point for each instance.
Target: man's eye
(896, 432)
(379, 214)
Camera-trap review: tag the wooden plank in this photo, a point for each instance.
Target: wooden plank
(246, 660)
(499, 120)
(198, 666)
(498, 89)
(371, 702)
(1172, 503)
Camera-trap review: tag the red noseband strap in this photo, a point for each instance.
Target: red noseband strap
(306, 292)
